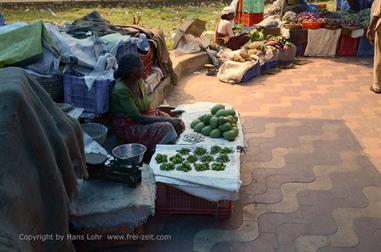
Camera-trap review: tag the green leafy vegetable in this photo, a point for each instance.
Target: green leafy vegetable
(176, 159)
(161, 158)
(167, 166)
(206, 158)
(192, 159)
(215, 149)
(218, 166)
(201, 167)
(185, 167)
(223, 158)
(199, 151)
(184, 151)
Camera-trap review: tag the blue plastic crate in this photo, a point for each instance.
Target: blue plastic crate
(96, 100)
(253, 72)
(365, 48)
(126, 48)
(270, 65)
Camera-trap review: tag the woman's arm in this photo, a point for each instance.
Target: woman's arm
(143, 119)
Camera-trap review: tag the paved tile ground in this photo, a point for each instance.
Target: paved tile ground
(310, 176)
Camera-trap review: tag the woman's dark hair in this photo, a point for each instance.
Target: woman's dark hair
(227, 16)
(128, 65)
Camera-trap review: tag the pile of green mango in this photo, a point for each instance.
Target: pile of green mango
(220, 123)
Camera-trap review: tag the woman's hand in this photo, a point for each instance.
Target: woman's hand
(178, 124)
(370, 33)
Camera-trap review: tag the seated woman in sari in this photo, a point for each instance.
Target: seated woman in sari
(224, 34)
(133, 119)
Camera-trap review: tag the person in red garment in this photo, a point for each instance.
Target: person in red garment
(134, 120)
(225, 35)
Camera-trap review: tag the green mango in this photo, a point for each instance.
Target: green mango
(206, 119)
(235, 130)
(206, 130)
(216, 108)
(221, 120)
(199, 127)
(229, 135)
(226, 127)
(194, 123)
(201, 118)
(216, 133)
(213, 122)
(220, 112)
(229, 112)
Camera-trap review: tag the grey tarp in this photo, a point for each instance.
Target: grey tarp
(41, 156)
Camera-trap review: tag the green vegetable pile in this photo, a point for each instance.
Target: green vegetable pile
(167, 166)
(220, 123)
(176, 159)
(218, 166)
(161, 158)
(200, 159)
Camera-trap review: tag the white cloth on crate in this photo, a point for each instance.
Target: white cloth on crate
(114, 40)
(103, 70)
(233, 72)
(85, 57)
(322, 42)
(154, 79)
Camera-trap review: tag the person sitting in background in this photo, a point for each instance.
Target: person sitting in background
(133, 119)
(354, 5)
(225, 35)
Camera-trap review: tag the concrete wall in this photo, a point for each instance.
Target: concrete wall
(62, 4)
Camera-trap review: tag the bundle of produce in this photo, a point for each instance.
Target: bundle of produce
(328, 14)
(278, 42)
(308, 17)
(332, 23)
(290, 17)
(200, 159)
(220, 123)
(364, 15)
(350, 20)
(251, 52)
(256, 35)
(291, 21)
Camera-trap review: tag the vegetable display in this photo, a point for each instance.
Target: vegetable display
(200, 159)
(161, 158)
(220, 123)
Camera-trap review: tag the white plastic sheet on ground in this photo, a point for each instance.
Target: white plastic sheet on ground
(195, 110)
(212, 183)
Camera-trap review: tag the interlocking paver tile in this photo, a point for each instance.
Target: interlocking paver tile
(311, 171)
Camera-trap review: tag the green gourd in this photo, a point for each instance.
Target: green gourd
(213, 122)
(194, 123)
(216, 108)
(206, 130)
(226, 127)
(199, 127)
(216, 133)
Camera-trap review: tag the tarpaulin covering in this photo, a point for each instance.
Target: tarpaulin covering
(24, 45)
(41, 155)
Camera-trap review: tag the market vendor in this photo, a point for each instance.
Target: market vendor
(374, 35)
(134, 121)
(224, 34)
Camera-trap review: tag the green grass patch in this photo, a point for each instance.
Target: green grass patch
(167, 19)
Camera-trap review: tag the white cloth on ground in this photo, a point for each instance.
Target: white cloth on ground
(233, 72)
